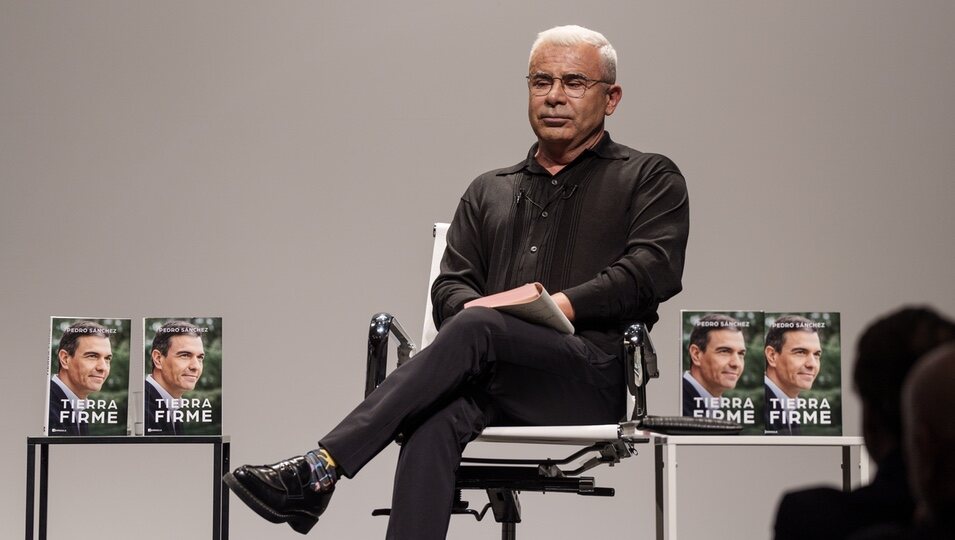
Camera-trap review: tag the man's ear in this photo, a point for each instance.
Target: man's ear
(770, 356)
(157, 359)
(64, 358)
(695, 354)
(614, 95)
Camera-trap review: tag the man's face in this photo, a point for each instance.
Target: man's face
(797, 365)
(179, 370)
(86, 369)
(556, 118)
(721, 363)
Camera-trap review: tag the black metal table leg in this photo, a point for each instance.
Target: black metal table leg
(225, 491)
(31, 486)
(44, 483)
(216, 491)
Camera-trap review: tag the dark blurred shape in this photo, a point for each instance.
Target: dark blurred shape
(886, 353)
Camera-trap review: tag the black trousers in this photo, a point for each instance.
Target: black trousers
(484, 368)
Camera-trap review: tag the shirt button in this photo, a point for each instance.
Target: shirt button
(553, 182)
(544, 214)
(533, 249)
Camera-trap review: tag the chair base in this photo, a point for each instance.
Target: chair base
(504, 479)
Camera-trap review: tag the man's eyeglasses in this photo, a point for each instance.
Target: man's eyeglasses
(574, 85)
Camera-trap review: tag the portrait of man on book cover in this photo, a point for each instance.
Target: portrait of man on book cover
(88, 391)
(722, 367)
(182, 388)
(803, 394)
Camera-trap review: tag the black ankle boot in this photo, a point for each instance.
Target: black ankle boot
(280, 492)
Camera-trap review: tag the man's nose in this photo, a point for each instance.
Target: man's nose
(556, 93)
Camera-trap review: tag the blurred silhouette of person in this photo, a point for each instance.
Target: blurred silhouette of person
(886, 353)
(927, 405)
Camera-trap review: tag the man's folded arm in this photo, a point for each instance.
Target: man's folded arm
(651, 270)
(463, 274)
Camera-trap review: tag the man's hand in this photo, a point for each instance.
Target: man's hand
(564, 304)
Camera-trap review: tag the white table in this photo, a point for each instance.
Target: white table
(666, 447)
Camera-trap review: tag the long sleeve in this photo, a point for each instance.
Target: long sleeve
(463, 268)
(651, 268)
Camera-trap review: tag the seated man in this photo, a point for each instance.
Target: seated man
(887, 351)
(601, 225)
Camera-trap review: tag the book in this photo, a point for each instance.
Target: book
(182, 387)
(722, 358)
(530, 302)
(803, 382)
(88, 369)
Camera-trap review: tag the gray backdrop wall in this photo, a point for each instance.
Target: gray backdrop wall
(280, 164)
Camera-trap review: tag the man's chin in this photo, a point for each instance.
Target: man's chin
(548, 134)
(730, 383)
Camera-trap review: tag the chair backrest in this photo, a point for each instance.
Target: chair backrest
(440, 232)
(429, 332)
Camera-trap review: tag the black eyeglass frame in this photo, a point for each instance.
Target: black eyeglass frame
(564, 79)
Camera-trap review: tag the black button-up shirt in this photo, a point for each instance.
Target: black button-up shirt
(609, 230)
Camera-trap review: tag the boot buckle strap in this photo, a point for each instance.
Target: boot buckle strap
(288, 474)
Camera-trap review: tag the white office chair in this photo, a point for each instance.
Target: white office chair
(502, 479)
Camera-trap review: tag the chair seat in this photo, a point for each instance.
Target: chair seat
(573, 435)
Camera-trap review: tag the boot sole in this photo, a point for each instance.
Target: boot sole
(300, 522)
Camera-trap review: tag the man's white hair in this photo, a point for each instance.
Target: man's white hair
(572, 35)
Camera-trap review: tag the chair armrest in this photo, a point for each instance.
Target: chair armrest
(383, 324)
(641, 366)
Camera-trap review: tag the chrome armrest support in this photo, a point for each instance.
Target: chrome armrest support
(641, 366)
(382, 325)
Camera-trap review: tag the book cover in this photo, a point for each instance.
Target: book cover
(803, 382)
(182, 390)
(722, 377)
(530, 302)
(88, 367)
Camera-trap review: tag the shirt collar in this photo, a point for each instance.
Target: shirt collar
(605, 148)
(699, 388)
(66, 389)
(171, 402)
(780, 395)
